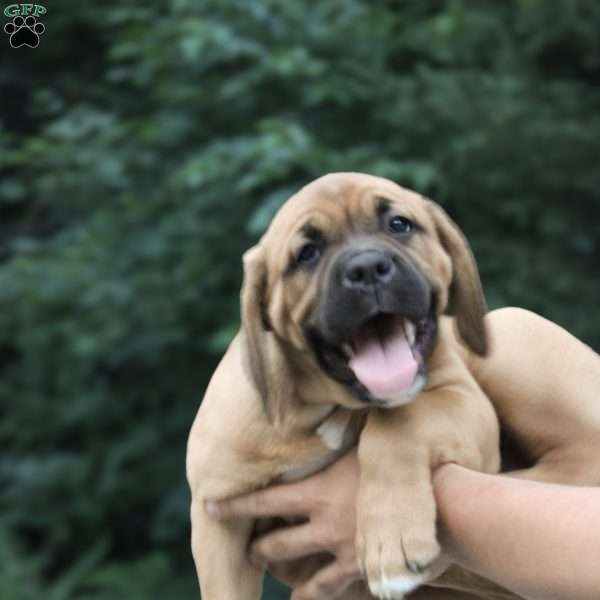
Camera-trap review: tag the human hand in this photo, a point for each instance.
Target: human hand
(327, 504)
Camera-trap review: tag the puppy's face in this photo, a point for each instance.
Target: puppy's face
(356, 271)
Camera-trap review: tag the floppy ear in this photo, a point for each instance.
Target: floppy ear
(263, 356)
(466, 298)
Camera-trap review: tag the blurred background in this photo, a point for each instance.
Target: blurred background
(144, 146)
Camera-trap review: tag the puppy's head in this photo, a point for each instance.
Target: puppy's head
(353, 273)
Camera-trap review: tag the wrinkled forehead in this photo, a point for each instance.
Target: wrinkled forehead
(339, 202)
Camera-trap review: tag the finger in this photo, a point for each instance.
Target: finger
(328, 583)
(286, 544)
(278, 500)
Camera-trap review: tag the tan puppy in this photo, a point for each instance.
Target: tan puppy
(341, 319)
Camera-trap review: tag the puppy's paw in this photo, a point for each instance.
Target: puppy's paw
(394, 588)
(396, 560)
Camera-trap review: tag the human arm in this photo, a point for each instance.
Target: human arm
(539, 540)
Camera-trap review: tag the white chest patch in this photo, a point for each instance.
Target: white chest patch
(332, 430)
(300, 472)
(338, 433)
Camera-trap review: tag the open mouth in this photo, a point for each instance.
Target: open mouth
(383, 358)
(384, 355)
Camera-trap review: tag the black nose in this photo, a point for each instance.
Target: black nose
(367, 270)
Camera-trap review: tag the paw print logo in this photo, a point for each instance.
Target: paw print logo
(24, 31)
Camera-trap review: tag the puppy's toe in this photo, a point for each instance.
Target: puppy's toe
(419, 552)
(394, 588)
(395, 567)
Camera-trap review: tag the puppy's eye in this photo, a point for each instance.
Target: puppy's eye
(399, 224)
(309, 253)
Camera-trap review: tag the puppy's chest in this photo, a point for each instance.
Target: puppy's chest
(332, 438)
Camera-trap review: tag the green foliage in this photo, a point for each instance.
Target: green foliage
(144, 146)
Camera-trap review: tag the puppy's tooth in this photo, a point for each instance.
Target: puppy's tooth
(410, 330)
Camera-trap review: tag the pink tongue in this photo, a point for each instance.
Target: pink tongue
(384, 364)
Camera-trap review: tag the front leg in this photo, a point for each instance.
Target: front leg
(220, 555)
(396, 513)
